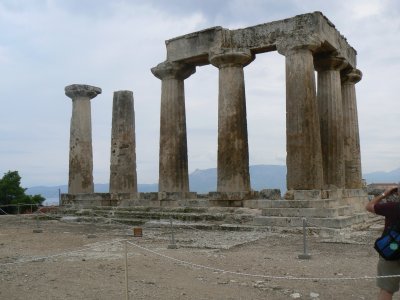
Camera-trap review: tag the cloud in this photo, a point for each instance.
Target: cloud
(47, 45)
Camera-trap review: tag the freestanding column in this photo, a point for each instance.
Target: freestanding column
(123, 147)
(233, 151)
(303, 142)
(352, 155)
(80, 145)
(173, 165)
(329, 98)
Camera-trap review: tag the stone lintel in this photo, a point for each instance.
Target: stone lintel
(351, 76)
(167, 69)
(195, 47)
(75, 91)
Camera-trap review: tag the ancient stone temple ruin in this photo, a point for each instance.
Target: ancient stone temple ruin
(322, 135)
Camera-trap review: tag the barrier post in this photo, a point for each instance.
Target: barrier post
(172, 245)
(37, 229)
(304, 255)
(126, 271)
(91, 227)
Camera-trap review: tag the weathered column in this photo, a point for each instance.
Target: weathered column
(233, 150)
(80, 145)
(329, 98)
(123, 177)
(303, 141)
(352, 155)
(173, 165)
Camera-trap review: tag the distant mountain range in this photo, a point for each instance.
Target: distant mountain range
(383, 177)
(203, 181)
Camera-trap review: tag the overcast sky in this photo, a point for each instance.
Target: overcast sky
(112, 44)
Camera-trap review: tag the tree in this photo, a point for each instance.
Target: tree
(11, 193)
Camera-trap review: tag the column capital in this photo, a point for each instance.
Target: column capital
(289, 45)
(74, 91)
(176, 70)
(223, 57)
(325, 62)
(351, 76)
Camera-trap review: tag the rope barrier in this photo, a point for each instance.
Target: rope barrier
(197, 265)
(4, 212)
(61, 254)
(260, 275)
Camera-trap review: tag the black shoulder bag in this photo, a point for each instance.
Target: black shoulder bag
(388, 245)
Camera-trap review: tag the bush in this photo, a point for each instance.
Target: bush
(12, 194)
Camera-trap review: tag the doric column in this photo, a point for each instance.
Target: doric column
(233, 150)
(123, 177)
(80, 146)
(352, 155)
(303, 142)
(329, 98)
(173, 165)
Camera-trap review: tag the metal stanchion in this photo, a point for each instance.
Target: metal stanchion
(126, 272)
(91, 234)
(304, 255)
(37, 229)
(172, 245)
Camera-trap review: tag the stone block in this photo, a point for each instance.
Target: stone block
(257, 203)
(307, 194)
(231, 195)
(162, 196)
(335, 194)
(148, 196)
(225, 203)
(289, 195)
(273, 194)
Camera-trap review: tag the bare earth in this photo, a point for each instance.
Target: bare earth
(97, 271)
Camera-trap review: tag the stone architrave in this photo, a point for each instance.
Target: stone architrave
(80, 147)
(303, 140)
(123, 178)
(173, 164)
(233, 151)
(329, 98)
(352, 155)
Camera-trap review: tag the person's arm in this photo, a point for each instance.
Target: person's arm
(371, 204)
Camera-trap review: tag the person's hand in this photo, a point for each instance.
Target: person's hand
(391, 191)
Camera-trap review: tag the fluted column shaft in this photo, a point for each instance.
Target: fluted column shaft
(352, 153)
(303, 144)
(123, 178)
(80, 152)
(173, 164)
(233, 150)
(329, 97)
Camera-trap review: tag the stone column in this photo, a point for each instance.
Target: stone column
(233, 150)
(173, 165)
(80, 146)
(352, 155)
(303, 141)
(329, 98)
(123, 177)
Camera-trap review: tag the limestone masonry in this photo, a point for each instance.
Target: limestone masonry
(322, 136)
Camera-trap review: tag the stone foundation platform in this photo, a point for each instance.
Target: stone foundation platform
(328, 209)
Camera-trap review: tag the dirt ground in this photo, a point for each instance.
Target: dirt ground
(86, 261)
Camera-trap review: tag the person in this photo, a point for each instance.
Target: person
(391, 212)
